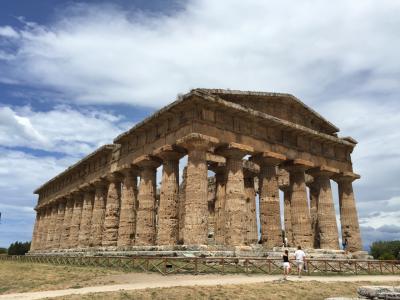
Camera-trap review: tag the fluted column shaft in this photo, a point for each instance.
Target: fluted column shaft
(86, 219)
(59, 224)
(287, 213)
(270, 221)
(99, 211)
(127, 220)
(301, 220)
(35, 234)
(220, 181)
(181, 205)
(111, 220)
(195, 231)
(168, 214)
(251, 217)
(146, 215)
(235, 203)
(66, 227)
(327, 226)
(75, 221)
(348, 214)
(314, 194)
(51, 227)
(270, 217)
(235, 198)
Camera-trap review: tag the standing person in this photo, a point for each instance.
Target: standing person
(286, 264)
(300, 259)
(344, 244)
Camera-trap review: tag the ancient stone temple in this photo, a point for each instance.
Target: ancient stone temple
(241, 148)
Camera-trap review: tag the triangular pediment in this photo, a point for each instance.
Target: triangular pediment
(282, 106)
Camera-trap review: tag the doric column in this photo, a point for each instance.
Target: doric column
(220, 185)
(66, 227)
(127, 219)
(168, 214)
(75, 220)
(235, 199)
(146, 214)
(113, 204)
(251, 216)
(51, 227)
(301, 221)
(270, 217)
(86, 219)
(36, 233)
(195, 230)
(327, 230)
(181, 205)
(287, 214)
(99, 211)
(348, 211)
(59, 223)
(314, 194)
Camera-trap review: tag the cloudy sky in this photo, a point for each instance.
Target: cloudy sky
(73, 75)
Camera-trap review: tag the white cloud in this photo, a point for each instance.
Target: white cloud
(96, 54)
(62, 129)
(8, 32)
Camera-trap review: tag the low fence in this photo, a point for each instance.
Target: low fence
(221, 265)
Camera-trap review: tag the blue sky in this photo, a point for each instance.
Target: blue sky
(73, 75)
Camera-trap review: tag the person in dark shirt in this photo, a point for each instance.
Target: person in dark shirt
(286, 264)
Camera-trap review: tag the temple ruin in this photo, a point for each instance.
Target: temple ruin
(257, 144)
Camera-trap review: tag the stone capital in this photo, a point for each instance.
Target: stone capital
(169, 152)
(129, 171)
(250, 169)
(269, 158)
(114, 177)
(217, 167)
(297, 165)
(199, 141)
(323, 171)
(346, 176)
(147, 162)
(234, 150)
(99, 183)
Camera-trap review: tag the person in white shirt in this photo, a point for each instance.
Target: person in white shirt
(300, 259)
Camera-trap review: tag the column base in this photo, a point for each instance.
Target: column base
(201, 251)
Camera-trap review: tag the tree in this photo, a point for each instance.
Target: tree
(3, 250)
(385, 250)
(19, 248)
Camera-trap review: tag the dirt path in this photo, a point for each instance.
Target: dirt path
(134, 282)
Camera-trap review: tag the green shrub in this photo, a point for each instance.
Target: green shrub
(385, 250)
(19, 248)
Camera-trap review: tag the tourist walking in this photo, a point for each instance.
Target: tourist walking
(286, 264)
(300, 260)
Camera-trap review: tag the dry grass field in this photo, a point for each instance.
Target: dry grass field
(312, 290)
(17, 277)
(23, 277)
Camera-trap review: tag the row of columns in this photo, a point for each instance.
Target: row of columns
(115, 212)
